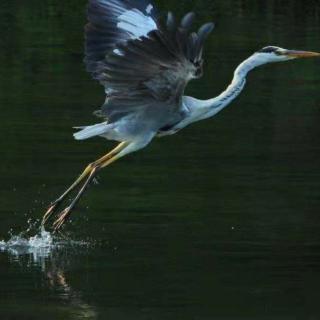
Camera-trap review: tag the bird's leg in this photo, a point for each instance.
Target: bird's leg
(87, 172)
(97, 165)
(63, 216)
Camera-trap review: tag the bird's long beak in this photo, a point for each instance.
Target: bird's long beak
(301, 54)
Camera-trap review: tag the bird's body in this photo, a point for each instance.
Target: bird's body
(144, 67)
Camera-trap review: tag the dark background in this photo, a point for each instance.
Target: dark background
(220, 221)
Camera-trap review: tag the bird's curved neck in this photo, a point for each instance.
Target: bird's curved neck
(216, 104)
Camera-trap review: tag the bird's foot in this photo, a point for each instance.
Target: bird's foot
(62, 218)
(51, 210)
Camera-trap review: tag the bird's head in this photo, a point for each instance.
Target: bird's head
(275, 54)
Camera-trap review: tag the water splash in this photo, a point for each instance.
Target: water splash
(39, 245)
(39, 248)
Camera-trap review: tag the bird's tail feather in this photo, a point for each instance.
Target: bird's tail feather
(90, 131)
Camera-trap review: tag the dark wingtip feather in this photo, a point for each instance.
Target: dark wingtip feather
(206, 29)
(203, 33)
(187, 20)
(171, 22)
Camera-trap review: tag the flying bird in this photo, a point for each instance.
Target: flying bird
(144, 65)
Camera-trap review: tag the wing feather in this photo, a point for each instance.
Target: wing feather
(112, 22)
(137, 59)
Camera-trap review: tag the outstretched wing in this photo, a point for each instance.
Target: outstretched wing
(136, 59)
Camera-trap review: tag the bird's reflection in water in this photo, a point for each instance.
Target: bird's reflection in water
(54, 256)
(57, 281)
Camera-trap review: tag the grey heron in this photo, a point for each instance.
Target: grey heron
(144, 66)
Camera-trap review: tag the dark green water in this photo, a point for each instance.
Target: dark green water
(220, 221)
